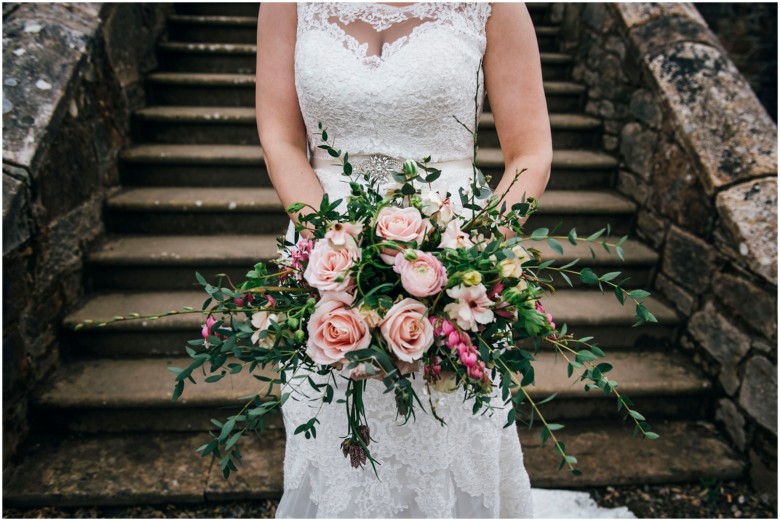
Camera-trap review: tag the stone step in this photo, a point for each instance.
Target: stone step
(217, 9)
(196, 211)
(586, 312)
(149, 468)
(238, 90)
(243, 165)
(240, 58)
(118, 395)
(238, 126)
(169, 261)
(243, 29)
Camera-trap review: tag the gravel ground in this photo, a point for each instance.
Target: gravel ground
(716, 500)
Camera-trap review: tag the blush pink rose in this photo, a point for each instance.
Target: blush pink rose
(407, 332)
(400, 224)
(328, 268)
(335, 329)
(423, 276)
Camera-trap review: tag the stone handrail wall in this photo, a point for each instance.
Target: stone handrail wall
(698, 154)
(72, 75)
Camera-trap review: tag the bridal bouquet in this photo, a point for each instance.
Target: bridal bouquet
(395, 276)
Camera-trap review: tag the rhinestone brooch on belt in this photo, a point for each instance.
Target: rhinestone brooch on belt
(379, 166)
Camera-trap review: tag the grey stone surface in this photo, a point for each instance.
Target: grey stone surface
(645, 107)
(637, 148)
(719, 337)
(43, 73)
(676, 191)
(752, 304)
(681, 299)
(716, 113)
(650, 228)
(758, 395)
(688, 260)
(632, 186)
(638, 13)
(17, 225)
(661, 32)
(733, 421)
(749, 212)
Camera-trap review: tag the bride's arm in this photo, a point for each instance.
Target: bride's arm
(513, 81)
(279, 122)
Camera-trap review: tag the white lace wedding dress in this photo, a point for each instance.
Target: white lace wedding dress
(398, 102)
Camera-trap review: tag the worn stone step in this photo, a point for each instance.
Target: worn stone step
(212, 28)
(238, 90)
(240, 58)
(217, 9)
(113, 395)
(586, 312)
(169, 261)
(243, 165)
(238, 126)
(105, 469)
(257, 210)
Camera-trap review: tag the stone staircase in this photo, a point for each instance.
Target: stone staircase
(195, 196)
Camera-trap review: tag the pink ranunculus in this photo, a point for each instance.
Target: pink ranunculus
(339, 233)
(328, 268)
(400, 224)
(423, 276)
(407, 332)
(335, 329)
(454, 238)
(471, 306)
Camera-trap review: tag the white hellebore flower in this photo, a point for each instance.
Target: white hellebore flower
(262, 321)
(454, 238)
(433, 203)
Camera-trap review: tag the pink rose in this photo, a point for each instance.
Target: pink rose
(335, 330)
(400, 224)
(328, 268)
(407, 332)
(423, 276)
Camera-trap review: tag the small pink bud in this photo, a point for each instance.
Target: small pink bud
(469, 359)
(205, 332)
(239, 302)
(453, 339)
(475, 372)
(436, 369)
(447, 327)
(495, 291)
(463, 348)
(271, 301)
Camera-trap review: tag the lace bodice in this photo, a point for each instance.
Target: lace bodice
(398, 101)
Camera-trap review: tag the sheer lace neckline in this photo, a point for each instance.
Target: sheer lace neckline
(381, 17)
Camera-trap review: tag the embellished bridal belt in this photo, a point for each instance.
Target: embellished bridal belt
(381, 165)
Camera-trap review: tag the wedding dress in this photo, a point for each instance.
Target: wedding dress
(397, 103)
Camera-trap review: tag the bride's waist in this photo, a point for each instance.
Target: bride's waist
(382, 164)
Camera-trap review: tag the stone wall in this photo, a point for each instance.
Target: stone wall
(698, 155)
(748, 31)
(72, 74)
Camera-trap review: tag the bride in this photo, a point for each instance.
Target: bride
(385, 80)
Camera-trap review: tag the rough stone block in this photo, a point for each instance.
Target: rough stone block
(638, 13)
(717, 114)
(16, 219)
(632, 186)
(758, 395)
(752, 304)
(733, 421)
(681, 299)
(644, 106)
(651, 228)
(749, 213)
(688, 260)
(637, 148)
(676, 190)
(718, 336)
(36, 82)
(662, 32)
